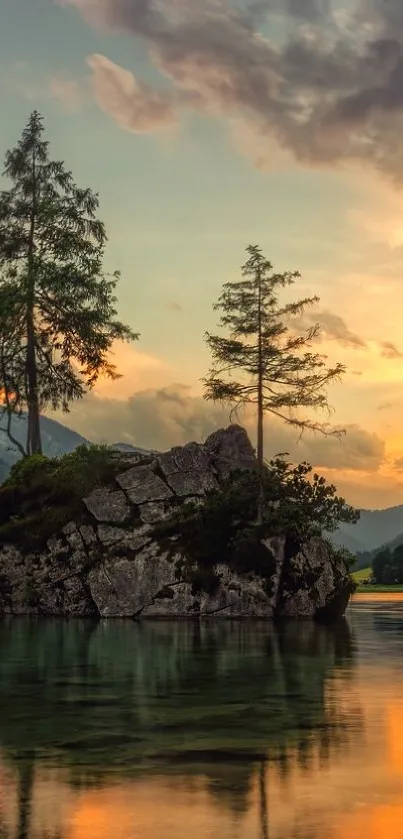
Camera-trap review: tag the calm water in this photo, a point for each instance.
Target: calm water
(169, 731)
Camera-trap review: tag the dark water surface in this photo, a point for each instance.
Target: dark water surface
(236, 730)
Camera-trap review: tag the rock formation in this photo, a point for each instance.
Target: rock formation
(110, 563)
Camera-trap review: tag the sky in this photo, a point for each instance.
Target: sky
(209, 125)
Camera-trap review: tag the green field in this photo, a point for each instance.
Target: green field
(379, 589)
(363, 574)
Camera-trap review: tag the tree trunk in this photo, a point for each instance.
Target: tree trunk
(260, 503)
(34, 443)
(260, 458)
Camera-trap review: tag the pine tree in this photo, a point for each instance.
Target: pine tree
(57, 306)
(263, 362)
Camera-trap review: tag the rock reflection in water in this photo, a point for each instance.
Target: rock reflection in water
(195, 712)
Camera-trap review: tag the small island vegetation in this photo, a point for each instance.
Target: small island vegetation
(58, 322)
(43, 494)
(225, 529)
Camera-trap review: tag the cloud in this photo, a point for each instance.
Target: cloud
(137, 370)
(335, 328)
(157, 418)
(398, 464)
(133, 104)
(327, 84)
(359, 450)
(26, 81)
(389, 350)
(386, 406)
(67, 92)
(160, 418)
(332, 327)
(365, 491)
(174, 306)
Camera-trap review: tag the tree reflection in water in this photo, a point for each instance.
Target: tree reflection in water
(217, 700)
(25, 787)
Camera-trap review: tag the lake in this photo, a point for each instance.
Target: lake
(122, 730)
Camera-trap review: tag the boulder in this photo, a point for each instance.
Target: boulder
(315, 580)
(108, 506)
(111, 563)
(142, 485)
(230, 451)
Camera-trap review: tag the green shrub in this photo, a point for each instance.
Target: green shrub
(224, 530)
(42, 494)
(29, 472)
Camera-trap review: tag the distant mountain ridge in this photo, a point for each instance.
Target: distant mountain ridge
(128, 447)
(57, 440)
(374, 529)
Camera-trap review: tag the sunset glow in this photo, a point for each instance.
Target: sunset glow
(193, 159)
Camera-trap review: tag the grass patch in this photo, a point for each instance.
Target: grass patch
(366, 588)
(362, 574)
(385, 589)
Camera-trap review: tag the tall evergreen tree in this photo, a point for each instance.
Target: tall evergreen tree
(57, 306)
(263, 362)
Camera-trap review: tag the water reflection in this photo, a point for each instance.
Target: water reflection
(145, 729)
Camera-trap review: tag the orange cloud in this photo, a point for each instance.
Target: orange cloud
(378, 216)
(132, 103)
(137, 369)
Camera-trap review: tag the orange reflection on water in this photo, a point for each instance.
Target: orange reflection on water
(358, 793)
(394, 727)
(336, 801)
(157, 809)
(378, 597)
(383, 822)
(342, 779)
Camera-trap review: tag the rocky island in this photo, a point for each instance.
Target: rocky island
(128, 549)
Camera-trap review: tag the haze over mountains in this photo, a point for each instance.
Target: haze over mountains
(375, 528)
(57, 440)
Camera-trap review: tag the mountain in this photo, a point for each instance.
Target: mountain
(375, 528)
(57, 439)
(128, 448)
(346, 540)
(364, 559)
(394, 543)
